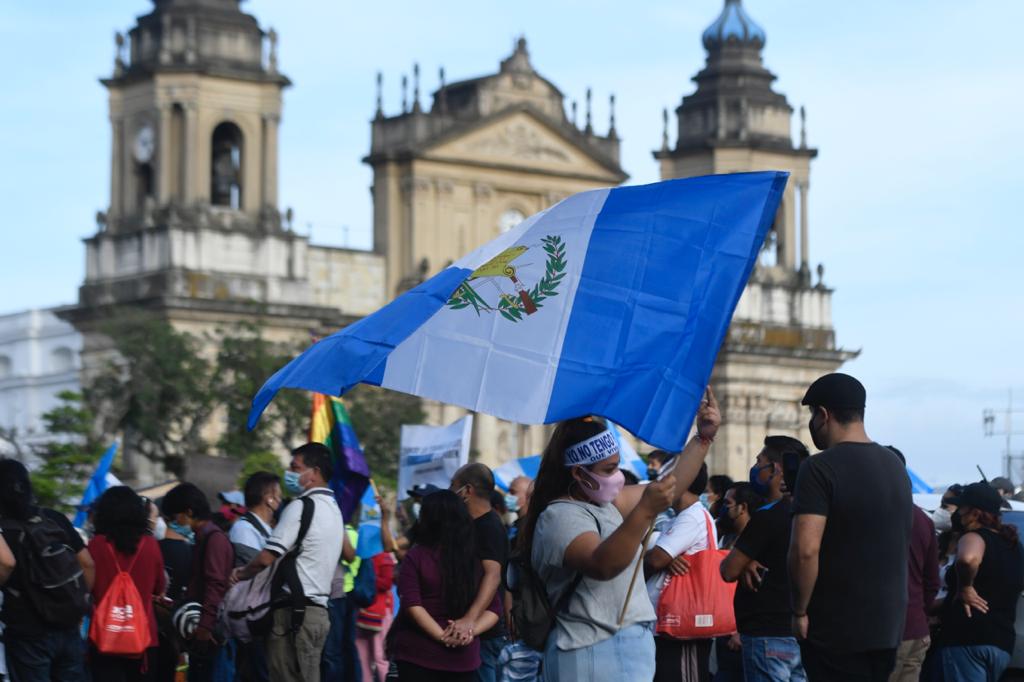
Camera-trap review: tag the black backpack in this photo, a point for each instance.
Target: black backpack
(533, 613)
(51, 579)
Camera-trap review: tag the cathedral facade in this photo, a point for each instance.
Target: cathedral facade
(194, 234)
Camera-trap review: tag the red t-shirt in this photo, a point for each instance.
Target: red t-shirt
(147, 572)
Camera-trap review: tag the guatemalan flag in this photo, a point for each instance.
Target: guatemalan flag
(612, 302)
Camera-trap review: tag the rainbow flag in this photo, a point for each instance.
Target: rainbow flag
(330, 424)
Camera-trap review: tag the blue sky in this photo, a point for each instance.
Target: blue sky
(915, 107)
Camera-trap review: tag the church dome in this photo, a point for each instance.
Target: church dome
(733, 25)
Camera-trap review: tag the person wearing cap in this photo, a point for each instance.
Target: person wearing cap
(852, 516)
(978, 614)
(1003, 486)
(583, 535)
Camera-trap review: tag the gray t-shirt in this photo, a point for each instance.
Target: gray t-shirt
(592, 614)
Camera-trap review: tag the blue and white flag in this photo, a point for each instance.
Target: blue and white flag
(98, 484)
(612, 302)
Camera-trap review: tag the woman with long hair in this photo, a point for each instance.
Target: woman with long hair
(439, 579)
(41, 637)
(583, 534)
(124, 541)
(985, 582)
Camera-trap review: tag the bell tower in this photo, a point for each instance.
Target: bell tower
(195, 103)
(192, 233)
(781, 337)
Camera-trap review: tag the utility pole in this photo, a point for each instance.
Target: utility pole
(988, 419)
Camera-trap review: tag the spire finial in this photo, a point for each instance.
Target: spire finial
(664, 129)
(118, 53)
(380, 95)
(416, 87)
(588, 128)
(441, 94)
(611, 115)
(574, 120)
(272, 59)
(803, 127)
(405, 93)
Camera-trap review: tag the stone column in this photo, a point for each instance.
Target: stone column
(164, 158)
(804, 234)
(189, 154)
(117, 167)
(270, 123)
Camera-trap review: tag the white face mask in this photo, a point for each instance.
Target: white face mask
(415, 510)
(942, 519)
(160, 528)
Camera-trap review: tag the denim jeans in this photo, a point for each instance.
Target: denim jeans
(626, 655)
(340, 662)
(771, 659)
(977, 663)
(55, 655)
(490, 649)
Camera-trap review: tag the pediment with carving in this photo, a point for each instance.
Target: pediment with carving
(520, 140)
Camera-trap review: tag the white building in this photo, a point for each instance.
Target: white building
(39, 358)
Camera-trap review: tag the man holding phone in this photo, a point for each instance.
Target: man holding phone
(758, 562)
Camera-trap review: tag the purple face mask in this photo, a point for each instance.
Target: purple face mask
(606, 489)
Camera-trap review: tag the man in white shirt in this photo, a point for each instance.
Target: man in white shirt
(294, 654)
(675, 538)
(250, 532)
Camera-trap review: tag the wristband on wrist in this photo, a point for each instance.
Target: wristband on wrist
(799, 615)
(705, 441)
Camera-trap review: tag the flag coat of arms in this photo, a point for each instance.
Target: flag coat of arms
(612, 302)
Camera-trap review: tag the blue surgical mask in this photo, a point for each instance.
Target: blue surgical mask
(704, 500)
(762, 489)
(184, 531)
(512, 502)
(291, 483)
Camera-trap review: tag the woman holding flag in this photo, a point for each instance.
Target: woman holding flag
(584, 533)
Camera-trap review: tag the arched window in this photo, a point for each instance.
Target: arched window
(62, 359)
(226, 166)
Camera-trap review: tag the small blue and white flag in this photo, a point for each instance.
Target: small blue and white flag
(612, 302)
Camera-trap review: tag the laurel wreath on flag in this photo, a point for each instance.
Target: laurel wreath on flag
(511, 307)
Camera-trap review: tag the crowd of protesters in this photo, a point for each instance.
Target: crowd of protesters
(814, 568)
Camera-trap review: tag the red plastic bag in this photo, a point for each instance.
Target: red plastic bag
(120, 626)
(698, 605)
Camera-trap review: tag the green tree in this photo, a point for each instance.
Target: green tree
(156, 389)
(69, 459)
(259, 461)
(377, 416)
(245, 360)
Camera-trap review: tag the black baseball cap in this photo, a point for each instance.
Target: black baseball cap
(979, 495)
(422, 490)
(836, 392)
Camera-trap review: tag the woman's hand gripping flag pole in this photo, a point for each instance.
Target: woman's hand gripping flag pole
(709, 418)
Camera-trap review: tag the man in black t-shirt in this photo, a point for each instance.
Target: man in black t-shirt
(474, 483)
(758, 562)
(851, 531)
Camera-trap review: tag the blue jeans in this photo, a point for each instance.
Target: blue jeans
(340, 660)
(490, 649)
(55, 655)
(979, 663)
(627, 655)
(771, 659)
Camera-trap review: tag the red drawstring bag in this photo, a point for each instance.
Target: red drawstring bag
(698, 605)
(120, 626)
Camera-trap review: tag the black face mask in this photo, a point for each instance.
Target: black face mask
(957, 522)
(652, 474)
(726, 524)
